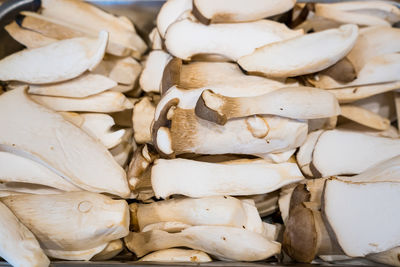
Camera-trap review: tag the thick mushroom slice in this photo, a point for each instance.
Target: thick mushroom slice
(177, 255)
(170, 12)
(339, 152)
(140, 163)
(155, 39)
(104, 102)
(150, 79)
(83, 86)
(221, 241)
(142, 118)
(365, 117)
(291, 102)
(75, 255)
(93, 219)
(303, 54)
(121, 152)
(305, 154)
(56, 62)
(218, 179)
(354, 210)
(230, 40)
(19, 246)
(112, 249)
(59, 144)
(28, 38)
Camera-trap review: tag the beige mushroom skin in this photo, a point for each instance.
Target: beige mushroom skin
(75, 255)
(170, 12)
(365, 117)
(177, 255)
(28, 38)
(111, 250)
(142, 118)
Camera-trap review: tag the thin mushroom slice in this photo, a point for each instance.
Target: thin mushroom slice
(111, 250)
(59, 145)
(155, 39)
(223, 11)
(303, 54)
(177, 255)
(221, 241)
(75, 255)
(214, 179)
(19, 188)
(83, 86)
(19, 246)
(94, 219)
(305, 154)
(353, 210)
(104, 102)
(292, 102)
(140, 163)
(142, 118)
(64, 60)
(150, 79)
(230, 40)
(389, 257)
(121, 153)
(364, 117)
(28, 38)
(170, 12)
(170, 227)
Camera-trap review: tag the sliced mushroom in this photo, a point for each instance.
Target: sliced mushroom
(30, 39)
(155, 39)
(140, 164)
(19, 246)
(220, 241)
(223, 11)
(94, 219)
(112, 249)
(150, 80)
(170, 12)
(389, 257)
(59, 145)
(75, 255)
(104, 102)
(216, 179)
(121, 153)
(229, 40)
(83, 86)
(177, 255)
(142, 118)
(291, 102)
(19, 188)
(63, 60)
(285, 196)
(170, 227)
(391, 132)
(364, 117)
(303, 54)
(304, 156)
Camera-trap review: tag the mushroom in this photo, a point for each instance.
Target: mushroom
(104, 102)
(391, 132)
(143, 115)
(28, 38)
(19, 246)
(170, 177)
(230, 40)
(221, 241)
(59, 145)
(140, 163)
(83, 86)
(63, 60)
(75, 255)
(389, 257)
(223, 11)
(150, 79)
(170, 12)
(291, 102)
(170, 227)
(302, 54)
(177, 255)
(94, 219)
(19, 188)
(304, 156)
(121, 152)
(365, 117)
(155, 39)
(112, 249)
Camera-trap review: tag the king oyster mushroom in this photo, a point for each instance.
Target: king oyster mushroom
(142, 118)
(112, 249)
(170, 12)
(365, 117)
(177, 255)
(28, 38)
(150, 79)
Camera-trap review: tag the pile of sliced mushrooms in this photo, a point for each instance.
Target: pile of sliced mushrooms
(239, 130)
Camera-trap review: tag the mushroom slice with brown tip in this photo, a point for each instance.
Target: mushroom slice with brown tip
(303, 54)
(177, 255)
(223, 11)
(305, 154)
(111, 250)
(59, 145)
(150, 79)
(28, 38)
(217, 179)
(83, 86)
(56, 62)
(230, 40)
(170, 12)
(291, 102)
(121, 153)
(220, 241)
(355, 153)
(140, 163)
(104, 102)
(19, 246)
(94, 219)
(364, 117)
(142, 118)
(353, 210)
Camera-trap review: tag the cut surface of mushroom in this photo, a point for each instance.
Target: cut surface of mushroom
(177, 255)
(94, 219)
(150, 79)
(225, 242)
(223, 11)
(305, 154)
(28, 38)
(364, 117)
(170, 12)
(21, 247)
(155, 39)
(389, 257)
(75, 255)
(64, 60)
(124, 71)
(112, 249)
(142, 118)
(213, 179)
(59, 145)
(303, 54)
(122, 152)
(230, 40)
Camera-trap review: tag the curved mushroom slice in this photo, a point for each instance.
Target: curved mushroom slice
(155, 39)
(292, 102)
(93, 219)
(19, 246)
(140, 164)
(112, 249)
(354, 210)
(56, 62)
(170, 227)
(365, 117)
(17, 169)
(365, 13)
(389, 257)
(177, 255)
(124, 70)
(285, 195)
(304, 156)
(83, 86)
(19, 188)
(230, 40)
(216, 179)
(223, 11)
(75, 255)
(357, 153)
(142, 118)
(150, 79)
(121, 153)
(170, 12)
(391, 132)
(28, 38)
(104, 102)
(59, 145)
(221, 241)
(303, 54)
